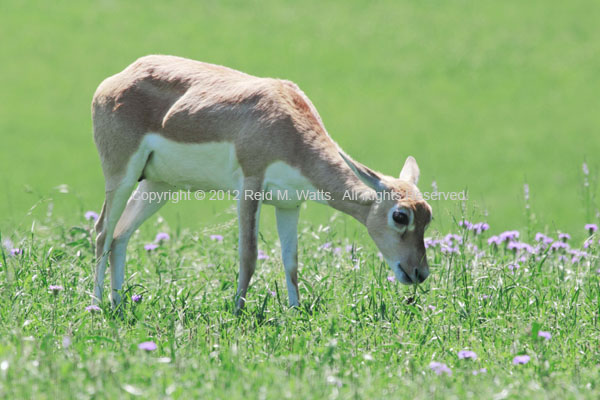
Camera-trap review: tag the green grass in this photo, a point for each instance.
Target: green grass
(487, 95)
(356, 335)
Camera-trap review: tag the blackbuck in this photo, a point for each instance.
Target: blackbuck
(171, 123)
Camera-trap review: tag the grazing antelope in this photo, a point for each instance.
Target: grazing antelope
(171, 123)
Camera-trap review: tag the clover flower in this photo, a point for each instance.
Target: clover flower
(150, 246)
(216, 238)
(55, 289)
(162, 236)
(262, 255)
(564, 237)
(509, 235)
(467, 354)
(522, 359)
(91, 216)
(494, 240)
(591, 228)
(147, 346)
(440, 368)
(545, 335)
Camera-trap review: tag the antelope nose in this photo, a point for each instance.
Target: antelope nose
(406, 278)
(421, 275)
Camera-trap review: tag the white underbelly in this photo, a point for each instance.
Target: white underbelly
(214, 166)
(204, 166)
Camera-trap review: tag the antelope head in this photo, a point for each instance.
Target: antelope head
(397, 219)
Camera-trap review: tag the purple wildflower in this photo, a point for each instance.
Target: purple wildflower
(577, 255)
(55, 288)
(337, 251)
(452, 238)
(598, 271)
(480, 227)
(150, 246)
(559, 245)
(431, 307)
(494, 240)
(326, 246)
(349, 248)
(540, 237)
(545, 335)
(485, 297)
(162, 236)
(262, 255)
(216, 238)
(429, 242)
(440, 368)
(591, 228)
(480, 371)
(147, 346)
(520, 246)
(272, 293)
(93, 308)
(66, 342)
(513, 267)
(391, 278)
(522, 359)
(12, 251)
(91, 216)
(523, 259)
(585, 169)
(509, 235)
(513, 246)
(465, 224)
(564, 237)
(136, 298)
(467, 354)
(450, 250)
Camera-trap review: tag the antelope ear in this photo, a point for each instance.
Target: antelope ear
(366, 175)
(410, 171)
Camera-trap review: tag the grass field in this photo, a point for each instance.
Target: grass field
(487, 95)
(358, 333)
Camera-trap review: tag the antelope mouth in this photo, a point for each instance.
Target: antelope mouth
(403, 277)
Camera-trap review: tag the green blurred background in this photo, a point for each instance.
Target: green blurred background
(487, 95)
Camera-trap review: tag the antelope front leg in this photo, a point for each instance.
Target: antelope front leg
(287, 227)
(248, 215)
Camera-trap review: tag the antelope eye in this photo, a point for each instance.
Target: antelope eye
(400, 217)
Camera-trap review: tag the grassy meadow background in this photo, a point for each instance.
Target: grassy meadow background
(487, 95)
